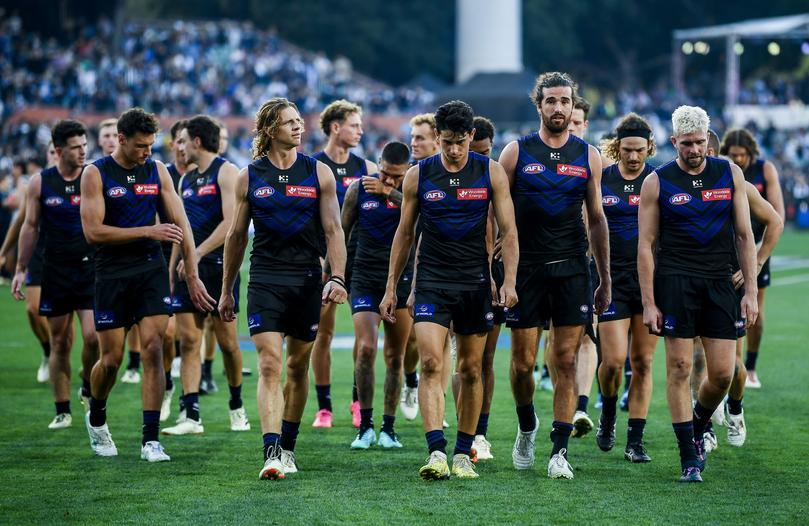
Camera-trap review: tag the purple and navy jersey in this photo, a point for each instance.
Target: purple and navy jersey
(696, 236)
(202, 199)
(131, 199)
(755, 176)
(377, 221)
(549, 188)
(175, 174)
(344, 174)
(453, 208)
(60, 225)
(620, 199)
(285, 208)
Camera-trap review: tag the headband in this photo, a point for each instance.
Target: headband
(643, 134)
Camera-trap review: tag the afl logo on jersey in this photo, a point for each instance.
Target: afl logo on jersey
(680, 199)
(187, 193)
(609, 200)
(116, 192)
(54, 201)
(533, 168)
(264, 191)
(370, 205)
(434, 195)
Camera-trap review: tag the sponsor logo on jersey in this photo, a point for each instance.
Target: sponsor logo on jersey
(669, 322)
(264, 191)
(348, 180)
(167, 300)
(75, 200)
(556, 156)
(341, 171)
(369, 205)
(424, 310)
(130, 178)
(208, 189)
(45, 306)
(54, 201)
(116, 192)
(759, 187)
(572, 170)
(584, 309)
(533, 168)
(472, 194)
(454, 181)
(188, 192)
(147, 189)
(391, 204)
(434, 195)
(283, 178)
(634, 200)
(69, 189)
(314, 327)
(696, 183)
(610, 310)
(253, 321)
(176, 302)
(489, 316)
(680, 199)
(609, 200)
(718, 194)
(306, 192)
(629, 188)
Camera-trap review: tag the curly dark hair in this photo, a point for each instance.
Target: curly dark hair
(484, 129)
(552, 79)
(611, 145)
(455, 116)
(582, 104)
(66, 129)
(137, 120)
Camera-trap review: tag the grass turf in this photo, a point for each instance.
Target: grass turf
(50, 476)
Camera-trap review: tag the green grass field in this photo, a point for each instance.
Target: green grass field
(52, 476)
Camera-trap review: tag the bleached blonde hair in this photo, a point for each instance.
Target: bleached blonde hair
(689, 119)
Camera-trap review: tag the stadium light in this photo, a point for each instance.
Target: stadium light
(701, 48)
(773, 48)
(688, 48)
(738, 48)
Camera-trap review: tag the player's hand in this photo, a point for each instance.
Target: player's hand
(333, 292)
(737, 279)
(653, 319)
(2, 261)
(497, 249)
(388, 306)
(749, 306)
(602, 299)
(508, 296)
(411, 302)
(181, 270)
(227, 306)
(199, 296)
(16, 286)
(372, 185)
(166, 232)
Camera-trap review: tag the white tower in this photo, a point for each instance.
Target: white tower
(489, 37)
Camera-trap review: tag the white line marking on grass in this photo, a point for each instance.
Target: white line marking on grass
(790, 280)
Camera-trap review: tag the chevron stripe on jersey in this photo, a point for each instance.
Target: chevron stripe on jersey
(202, 199)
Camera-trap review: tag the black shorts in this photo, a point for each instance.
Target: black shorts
(694, 306)
(211, 276)
(351, 252)
(469, 311)
(558, 292)
(498, 275)
(365, 298)
(124, 301)
(626, 298)
(35, 264)
(764, 275)
(741, 331)
(67, 288)
(293, 310)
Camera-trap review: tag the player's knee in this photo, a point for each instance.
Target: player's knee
(90, 339)
(365, 358)
(431, 366)
(642, 366)
(678, 370)
(611, 367)
(565, 363)
(394, 363)
(721, 380)
(470, 372)
(521, 368)
(269, 367)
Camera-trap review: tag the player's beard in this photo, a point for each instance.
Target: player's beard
(548, 123)
(693, 162)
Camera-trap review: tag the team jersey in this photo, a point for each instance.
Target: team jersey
(454, 209)
(344, 174)
(175, 174)
(131, 199)
(548, 190)
(620, 199)
(202, 199)
(754, 174)
(696, 236)
(377, 220)
(285, 208)
(60, 224)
